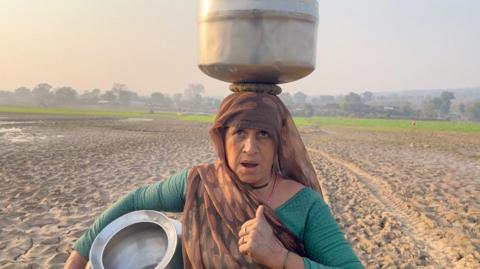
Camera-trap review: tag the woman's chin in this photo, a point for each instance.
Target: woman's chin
(249, 179)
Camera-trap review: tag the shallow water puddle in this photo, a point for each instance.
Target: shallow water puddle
(9, 130)
(15, 135)
(14, 122)
(137, 119)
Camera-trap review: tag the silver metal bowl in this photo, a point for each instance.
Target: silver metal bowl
(140, 239)
(257, 41)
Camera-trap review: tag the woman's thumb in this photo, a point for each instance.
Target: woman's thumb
(259, 212)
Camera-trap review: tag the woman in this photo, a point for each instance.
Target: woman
(258, 205)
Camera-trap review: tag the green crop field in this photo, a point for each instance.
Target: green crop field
(394, 124)
(340, 122)
(369, 124)
(197, 118)
(83, 112)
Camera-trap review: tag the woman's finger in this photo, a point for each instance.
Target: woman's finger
(247, 227)
(245, 248)
(241, 242)
(249, 222)
(244, 239)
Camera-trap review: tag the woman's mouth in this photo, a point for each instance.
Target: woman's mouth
(249, 167)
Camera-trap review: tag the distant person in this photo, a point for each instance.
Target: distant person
(259, 205)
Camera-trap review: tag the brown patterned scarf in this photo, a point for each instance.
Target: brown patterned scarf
(217, 203)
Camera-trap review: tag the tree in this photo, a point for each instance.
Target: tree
(437, 103)
(473, 111)
(125, 97)
(177, 100)
(96, 93)
(353, 98)
(167, 100)
(5, 94)
(461, 108)
(41, 90)
(91, 96)
(211, 104)
(323, 100)
(445, 102)
(120, 94)
(42, 94)
(438, 106)
(299, 98)
(23, 93)
(65, 95)
(216, 103)
(287, 99)
(193, 94)
(429, 108)
(406, 109)
(352, 102)
(194, 91)
(157, 99)
(307, 110)
(367, 96)
(110, 97)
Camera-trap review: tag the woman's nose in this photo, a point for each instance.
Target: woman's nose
(250, 145)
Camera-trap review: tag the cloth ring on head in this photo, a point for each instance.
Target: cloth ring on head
(245, 230)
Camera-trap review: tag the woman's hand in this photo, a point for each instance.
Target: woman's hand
(75, 261)
(256, 239)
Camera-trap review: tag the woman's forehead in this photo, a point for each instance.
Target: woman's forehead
(234, 128)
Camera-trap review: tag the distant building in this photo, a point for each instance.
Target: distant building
(103, 102)
(390, 108)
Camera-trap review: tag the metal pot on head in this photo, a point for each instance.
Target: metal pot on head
(257, 41)
(140, 239)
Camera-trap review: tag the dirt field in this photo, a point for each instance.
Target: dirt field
(404, 200)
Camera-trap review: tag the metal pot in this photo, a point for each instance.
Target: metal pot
(257, 41)
(140, 239)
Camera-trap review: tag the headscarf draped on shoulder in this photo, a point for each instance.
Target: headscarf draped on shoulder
(217, 203)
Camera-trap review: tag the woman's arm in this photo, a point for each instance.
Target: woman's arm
(167, 195)
(75, 261)
(325, 243)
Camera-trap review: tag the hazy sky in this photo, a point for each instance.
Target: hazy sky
(151, 45)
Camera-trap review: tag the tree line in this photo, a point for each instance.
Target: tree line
(193, 100)
(367, 105)
(119, 96)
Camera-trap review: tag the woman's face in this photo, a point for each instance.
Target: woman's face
(250, 154)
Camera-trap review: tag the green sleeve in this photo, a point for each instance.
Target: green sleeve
(167, 195)
(324, 241)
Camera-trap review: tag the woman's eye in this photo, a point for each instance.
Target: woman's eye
(263, 134)
(239, 132)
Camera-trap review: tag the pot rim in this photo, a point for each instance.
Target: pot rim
(306, 7)
(127, 220)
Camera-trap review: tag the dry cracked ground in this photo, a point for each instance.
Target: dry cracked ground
(403, 200)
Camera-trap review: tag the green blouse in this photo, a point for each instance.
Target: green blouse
(305, 214)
